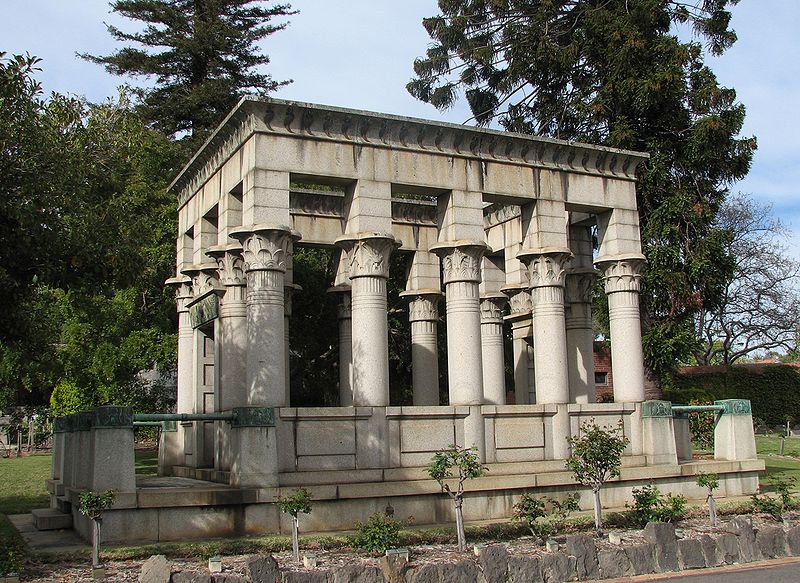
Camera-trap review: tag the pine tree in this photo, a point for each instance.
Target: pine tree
(202, 55)
(614, 72)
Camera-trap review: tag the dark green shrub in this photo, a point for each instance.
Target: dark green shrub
(650, 505)
(378, 533)
(544, 516)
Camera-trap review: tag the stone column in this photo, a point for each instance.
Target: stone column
(111, 451)
(368, 258)
(546, 273)
(185, 380)
(658, 433)
(521, 333)
(461, 263)
(345, 318)
(494, 374)
(734, 438)
(265, 249)
(622, 275)
(580, 335)
(423, 313)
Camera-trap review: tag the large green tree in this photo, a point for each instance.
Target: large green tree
(201, 54)
(614, 72)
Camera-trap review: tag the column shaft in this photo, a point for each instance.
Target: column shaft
(345, 317)
(494, 377)
(580, 336)
(423, 314)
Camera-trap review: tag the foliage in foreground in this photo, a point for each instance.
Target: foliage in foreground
(377, 534)
(650, 505)
(544, 516)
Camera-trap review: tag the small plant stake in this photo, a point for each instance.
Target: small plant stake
(596, 458)
(710, 481)
(468, 465)
(293, 505)
(92, 505)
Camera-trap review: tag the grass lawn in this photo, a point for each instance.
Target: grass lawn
(22, 483)
(771, 445)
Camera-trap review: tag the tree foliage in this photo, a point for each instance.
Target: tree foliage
(614, 73)
(759, 309)
(202, 55)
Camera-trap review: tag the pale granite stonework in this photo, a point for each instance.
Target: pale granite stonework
(499, 232)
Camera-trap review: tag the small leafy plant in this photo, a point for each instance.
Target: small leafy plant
(541, 521)
(650, 505)
(711, 483)
(775, 507)
(92, 505)
(596, 458)
(378, 533)
(293, 505)
(467, 465)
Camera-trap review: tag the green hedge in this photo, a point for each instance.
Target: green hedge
(773, 390)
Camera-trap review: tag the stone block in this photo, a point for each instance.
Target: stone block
(742, 527)
(728, 548)
(458, 572)
(51, 519)
(642, 558)
(793, 540)
(228, 578)
(662, 535)
(523, 569)
(493, 561)
(357, 573)
(711, 551)
(190, 577)
(156, 569)
(691, 555)
(614, 563)
(558, 567)
(428, 573)
(771, 542)
(305, 576)
(582, 547)
(264, 569)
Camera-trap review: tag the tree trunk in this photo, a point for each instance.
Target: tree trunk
(295, 539)
(462, 537)
(712, 509)
(598, 519)
(96, 544)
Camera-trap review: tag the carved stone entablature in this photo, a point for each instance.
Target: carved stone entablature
(266, 247)
(461, 260)
(492, 308)
(414, 212)
(547, 267)
(497, 214)
(368, 253)
(621, 273)
(579, 285)
(519, 301)
(317, 203)
(204, 277)
(326, 123)
(423, 305)
(230, 264)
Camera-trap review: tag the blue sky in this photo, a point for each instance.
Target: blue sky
(359, 54)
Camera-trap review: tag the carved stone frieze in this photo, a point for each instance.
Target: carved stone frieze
(546, 267)
(368, 254)
(461, 260)
(622, 274)
(230, 264)
(579, 285)
(266, 248)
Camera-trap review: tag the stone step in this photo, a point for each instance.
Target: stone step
(51, 519)
(64, 505)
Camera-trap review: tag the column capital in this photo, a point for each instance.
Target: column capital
(492, 306)
(423, 304)
(183, 291)
(344, 310)
(204, 277)
(519, 301)
(621, 272)
(230, 264)
(578, 285)
(368, 253)
(265, 247)
(546, 266)
(461, 260)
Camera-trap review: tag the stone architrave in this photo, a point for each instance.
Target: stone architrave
(622, 275)
(494, 374)
(423, 314)
(546, 276)
(345, 317)
(368, 259)
(520, 317)
(265, 250)
(580, 336)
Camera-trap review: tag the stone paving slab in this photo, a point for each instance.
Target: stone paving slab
(51, 541)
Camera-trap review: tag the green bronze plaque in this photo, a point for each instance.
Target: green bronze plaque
(656, 409)
(113, 417)
(253, 417)
(204, 310)
(735, 406)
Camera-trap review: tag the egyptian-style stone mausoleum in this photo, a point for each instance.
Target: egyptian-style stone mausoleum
(499, 229)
